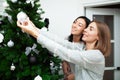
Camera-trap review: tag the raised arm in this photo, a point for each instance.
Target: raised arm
(82, 58)
(29, 28)
(34, 31)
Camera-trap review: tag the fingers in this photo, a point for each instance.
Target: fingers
(71, 77)
(22, 25)
(19, 24)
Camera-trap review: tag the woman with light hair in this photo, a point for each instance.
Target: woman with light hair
(90, 61)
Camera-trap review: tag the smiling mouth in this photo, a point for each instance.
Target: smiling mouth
(74, 30)
(84, 35)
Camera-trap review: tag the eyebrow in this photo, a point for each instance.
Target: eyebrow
(79, 23)
(91, 27)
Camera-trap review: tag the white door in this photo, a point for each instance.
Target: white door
(112, 18)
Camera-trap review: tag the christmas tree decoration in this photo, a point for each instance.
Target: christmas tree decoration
(33, 48)
(28, 57)
(14, 1)
(10, 43)
(46, 22)
(32, 59)
(22, 17)
(12, 67)
(1, 38)
(30, 1)
(38, 77)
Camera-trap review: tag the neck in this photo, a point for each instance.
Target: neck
(76, 38)
(90, 46)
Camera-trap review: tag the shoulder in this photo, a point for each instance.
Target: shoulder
(94, 55)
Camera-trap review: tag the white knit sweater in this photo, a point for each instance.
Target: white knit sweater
(89, 64)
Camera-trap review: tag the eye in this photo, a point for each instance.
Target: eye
(80, 25)
(91, 28)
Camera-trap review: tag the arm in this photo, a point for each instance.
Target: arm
(74, 56)
(92, 60)
(59, 40)
(68, 75)
(34, 31)
(86, 59)
(66, 67)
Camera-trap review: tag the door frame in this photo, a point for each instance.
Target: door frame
(116, 13)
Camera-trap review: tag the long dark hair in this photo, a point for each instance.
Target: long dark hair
(70, 37)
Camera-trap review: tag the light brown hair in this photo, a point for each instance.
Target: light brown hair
(103, 44)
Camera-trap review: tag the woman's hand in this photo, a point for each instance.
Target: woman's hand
(70, 77)
(66, 67)
(26, 26)
(29, 28)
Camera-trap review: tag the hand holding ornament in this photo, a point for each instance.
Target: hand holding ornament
(26, 25)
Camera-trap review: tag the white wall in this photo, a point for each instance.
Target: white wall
(61, 14)
(1, 6)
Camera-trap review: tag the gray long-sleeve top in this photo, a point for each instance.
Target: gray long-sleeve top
(89, 64)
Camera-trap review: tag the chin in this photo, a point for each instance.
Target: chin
(83, 39)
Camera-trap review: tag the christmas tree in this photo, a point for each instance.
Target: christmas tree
(22, 58)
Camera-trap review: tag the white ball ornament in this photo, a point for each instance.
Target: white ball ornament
(1, 38)
(10, 43)
(12, 68)
(14, 1)
(22, 16)
(38, 78)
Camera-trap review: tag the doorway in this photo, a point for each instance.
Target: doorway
(111, 16)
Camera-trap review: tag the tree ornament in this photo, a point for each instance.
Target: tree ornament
(12, 68)
(32, 59)
(52, 67)
(46, 21)
(22, 17)
(30, 1)
(14, 1)
(38, 78)
(10, 43)
(1, 38)
(33, 48)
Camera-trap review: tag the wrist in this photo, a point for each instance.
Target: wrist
(35, 33)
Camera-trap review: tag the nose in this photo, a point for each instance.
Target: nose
(85, 30)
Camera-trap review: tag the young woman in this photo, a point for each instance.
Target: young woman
(78, 25)
(90, 62)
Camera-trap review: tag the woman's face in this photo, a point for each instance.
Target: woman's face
(78, 26)
(90, 34)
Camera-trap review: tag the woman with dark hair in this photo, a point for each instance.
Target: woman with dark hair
(79, 24)
(90, 61)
